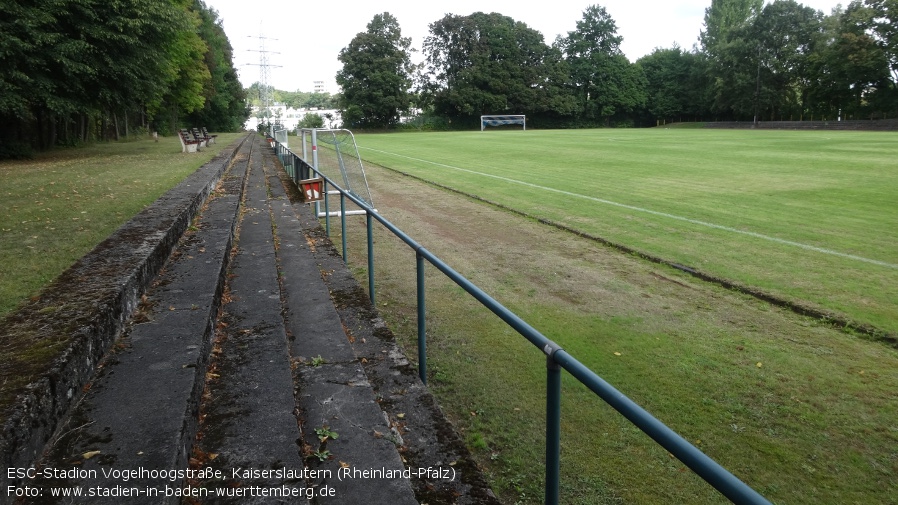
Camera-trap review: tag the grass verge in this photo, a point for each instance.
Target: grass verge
(61, 204)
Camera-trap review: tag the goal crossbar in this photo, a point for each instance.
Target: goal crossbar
(503, 119)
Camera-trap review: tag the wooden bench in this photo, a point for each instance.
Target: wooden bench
(210, 139)
(189, 144)
(199, 136)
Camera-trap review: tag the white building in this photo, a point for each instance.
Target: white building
(290, 117)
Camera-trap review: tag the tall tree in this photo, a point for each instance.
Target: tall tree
(377, 74)
(88, 68)
(848, 67)
(761, 68)
(224, 107)
(786, 33)
(675, 84)
(885, 29)
(722, 17)
(605, 82)
(489, 64)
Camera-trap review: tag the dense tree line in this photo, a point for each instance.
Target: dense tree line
(782, 61)
(80, 70)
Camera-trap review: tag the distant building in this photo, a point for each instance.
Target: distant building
(289, 117)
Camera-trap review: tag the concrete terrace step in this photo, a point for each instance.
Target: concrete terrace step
(140, 410)
(240, 361)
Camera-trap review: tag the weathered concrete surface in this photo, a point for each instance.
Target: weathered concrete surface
(301, 375)
(248, 417)
(333, 391)
(366, 356)
(79, 316)
(141, 408)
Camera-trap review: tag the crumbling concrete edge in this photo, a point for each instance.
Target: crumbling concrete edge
(129, 260)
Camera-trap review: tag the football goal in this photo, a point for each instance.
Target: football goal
(503, 120)
(335, 154)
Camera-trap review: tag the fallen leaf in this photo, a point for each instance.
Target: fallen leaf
(344, 464)
(90, 454)
(759, 364)
(617, 354)
(400, 416)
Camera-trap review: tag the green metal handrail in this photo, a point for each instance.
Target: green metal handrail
(556, 358)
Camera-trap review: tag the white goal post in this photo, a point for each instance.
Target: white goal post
(503, 119)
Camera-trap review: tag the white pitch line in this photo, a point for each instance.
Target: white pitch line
(654, 212)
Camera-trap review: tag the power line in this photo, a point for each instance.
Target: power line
(265, 67)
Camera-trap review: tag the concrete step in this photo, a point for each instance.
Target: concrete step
(247, 416)
(140, 409)
(242, 380)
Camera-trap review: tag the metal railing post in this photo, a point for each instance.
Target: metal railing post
(553, 430)
(422, 322)
(327, 213)
(370, 258)
(343, 224)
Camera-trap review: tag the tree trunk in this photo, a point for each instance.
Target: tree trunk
(51, 134)
(41, 138)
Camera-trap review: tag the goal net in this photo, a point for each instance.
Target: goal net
(503, 120)
(334, 153)
(280, 134)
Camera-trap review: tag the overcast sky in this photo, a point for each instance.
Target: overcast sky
(310, 35)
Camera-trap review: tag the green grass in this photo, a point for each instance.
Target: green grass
(802, 412)
(807, 216)
(61, 204)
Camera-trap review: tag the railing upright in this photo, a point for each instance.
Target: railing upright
(343, 224)
(369, 221)
(553, 430)
(422, 321)
(327, 214)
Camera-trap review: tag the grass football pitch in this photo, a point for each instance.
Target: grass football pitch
(808, 217)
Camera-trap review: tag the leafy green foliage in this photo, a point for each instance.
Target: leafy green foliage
(490, 64)
(376, 75)
(675, 84)
(788, 61)
(605, 82)
(311, 120)
(87, 69)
